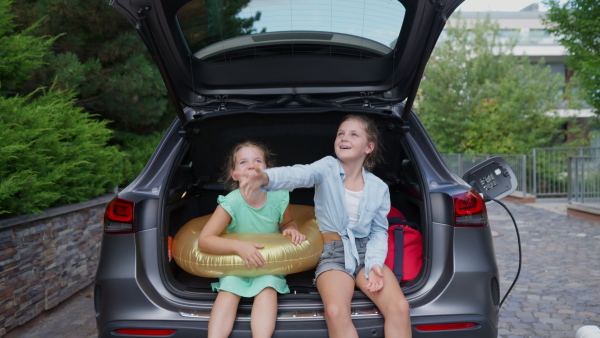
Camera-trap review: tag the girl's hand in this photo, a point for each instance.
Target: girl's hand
(251, 180)
(375, 280)
(297, 236)
(250, 254)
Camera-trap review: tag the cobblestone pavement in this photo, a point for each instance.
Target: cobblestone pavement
(558, 290)
(73, 318)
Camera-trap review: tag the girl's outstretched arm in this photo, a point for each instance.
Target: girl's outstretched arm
(251, 180)
(286, 178)
(289, 227)
(209, 241)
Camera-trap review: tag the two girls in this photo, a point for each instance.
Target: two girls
(351, 206)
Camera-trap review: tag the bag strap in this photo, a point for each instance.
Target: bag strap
(399, 252)
(398, 220)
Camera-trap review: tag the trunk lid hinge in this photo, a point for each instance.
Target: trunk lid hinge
(222, 102)
(365, 99)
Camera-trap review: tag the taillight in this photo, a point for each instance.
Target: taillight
(118, 218)
(146, 332)
(469, 210)
(444, 327)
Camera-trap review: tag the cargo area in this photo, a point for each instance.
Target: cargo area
(295, 138)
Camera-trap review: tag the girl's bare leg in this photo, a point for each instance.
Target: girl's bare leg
(336, 289)
(223, 315)
(391, 302)
(264, 313)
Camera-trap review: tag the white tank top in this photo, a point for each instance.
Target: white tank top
(352, 198)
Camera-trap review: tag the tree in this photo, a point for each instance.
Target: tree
(101, 56)
(576, 25)
(477, 97)
(20, 53)
(51, 152)
(221, 21)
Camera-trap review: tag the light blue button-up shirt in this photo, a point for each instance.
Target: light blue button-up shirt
(327, 176)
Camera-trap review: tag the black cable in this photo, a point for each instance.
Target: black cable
(520, 255)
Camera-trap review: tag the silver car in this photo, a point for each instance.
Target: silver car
(285, 73)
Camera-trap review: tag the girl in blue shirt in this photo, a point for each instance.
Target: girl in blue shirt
(351, 206)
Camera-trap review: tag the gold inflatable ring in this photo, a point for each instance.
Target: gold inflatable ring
(281, 255)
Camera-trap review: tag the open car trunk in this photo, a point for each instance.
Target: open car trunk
(298, 137)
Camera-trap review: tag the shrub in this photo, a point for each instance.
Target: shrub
(137, 150)
(52, 153)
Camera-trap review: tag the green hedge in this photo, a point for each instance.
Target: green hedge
(52, 153)
(137, 150)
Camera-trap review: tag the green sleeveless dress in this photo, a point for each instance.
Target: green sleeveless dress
(245, 219)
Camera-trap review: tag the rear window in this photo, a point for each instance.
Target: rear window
(225, 30)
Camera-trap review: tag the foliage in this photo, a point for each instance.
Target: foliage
(477, 97)
(20, 53)
(221, 22)
(575, 24)
(101, 56)
(52, 153)
(137, 150)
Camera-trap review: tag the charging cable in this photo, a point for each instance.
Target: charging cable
(519, 243)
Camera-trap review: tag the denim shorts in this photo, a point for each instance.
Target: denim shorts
(332, 257)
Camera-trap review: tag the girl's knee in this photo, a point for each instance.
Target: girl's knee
(337, 312)
(267, 296)
(399, 307)
(267, 292)
(404, 307)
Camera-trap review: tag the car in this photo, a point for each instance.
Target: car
(285, 73)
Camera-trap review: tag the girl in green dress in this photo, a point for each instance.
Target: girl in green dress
(252, 212)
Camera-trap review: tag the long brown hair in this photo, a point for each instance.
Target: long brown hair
(372, 133)
(230, 161)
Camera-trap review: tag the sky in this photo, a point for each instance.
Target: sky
(377, 20)
(495, 5)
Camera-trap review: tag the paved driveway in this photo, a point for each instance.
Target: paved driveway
(558, 290)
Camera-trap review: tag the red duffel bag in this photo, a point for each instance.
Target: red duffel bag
(405, 247)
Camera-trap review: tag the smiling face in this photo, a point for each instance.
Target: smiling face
(248, 158)
(351, 143)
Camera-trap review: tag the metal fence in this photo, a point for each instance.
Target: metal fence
(584, 180)
(561, 173)
(550, 169)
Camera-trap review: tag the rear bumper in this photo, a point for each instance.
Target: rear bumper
(127, 297)
(366, 327)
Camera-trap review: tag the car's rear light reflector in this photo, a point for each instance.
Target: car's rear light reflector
(445, 327)
(118, 218)
(469, 210)
(146, 332)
